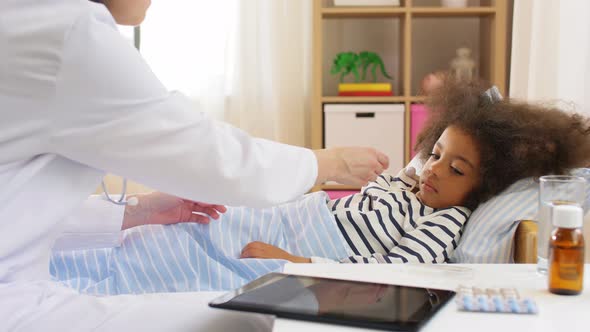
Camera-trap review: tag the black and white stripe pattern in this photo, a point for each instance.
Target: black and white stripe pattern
(386, 223)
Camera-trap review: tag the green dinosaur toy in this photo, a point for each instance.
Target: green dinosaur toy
(370, 58)
(344, 64)
(349, 62)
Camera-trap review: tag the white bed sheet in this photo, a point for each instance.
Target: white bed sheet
(49, 306)
(181, 312)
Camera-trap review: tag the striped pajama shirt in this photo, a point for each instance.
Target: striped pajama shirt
(386, 223)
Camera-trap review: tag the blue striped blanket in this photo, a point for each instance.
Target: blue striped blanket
(196, 257)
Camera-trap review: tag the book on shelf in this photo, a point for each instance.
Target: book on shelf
(365, 93)
(355, 87)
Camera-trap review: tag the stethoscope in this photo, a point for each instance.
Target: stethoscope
(132, 201)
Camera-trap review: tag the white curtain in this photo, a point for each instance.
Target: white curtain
(245, 62)
(551, 52)
(551, 57)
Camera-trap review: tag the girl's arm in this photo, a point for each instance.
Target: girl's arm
(264, 250)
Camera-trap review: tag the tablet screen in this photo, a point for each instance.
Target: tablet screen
(364, 304)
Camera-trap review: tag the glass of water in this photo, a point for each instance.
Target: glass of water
(555, 190)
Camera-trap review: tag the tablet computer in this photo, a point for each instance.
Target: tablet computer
(352, 303)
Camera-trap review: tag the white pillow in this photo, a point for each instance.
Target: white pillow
(488, 235)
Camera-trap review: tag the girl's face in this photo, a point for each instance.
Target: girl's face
(452, 171)
(128, 12)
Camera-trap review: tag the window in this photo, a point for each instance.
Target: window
(190, 45)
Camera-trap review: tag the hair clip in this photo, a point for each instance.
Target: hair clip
(493, 95)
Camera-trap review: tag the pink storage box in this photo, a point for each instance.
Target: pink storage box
(334, 194)
(418, 117)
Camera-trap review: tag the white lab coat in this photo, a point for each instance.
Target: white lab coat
(77, 100)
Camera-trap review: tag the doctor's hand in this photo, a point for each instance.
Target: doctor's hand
(264, 250)
(350, 165)
(158, 208)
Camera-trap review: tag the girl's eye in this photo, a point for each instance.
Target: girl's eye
(456, 171)
(434, 155)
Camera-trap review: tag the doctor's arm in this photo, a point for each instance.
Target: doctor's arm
(157, 208)
(110, 112)
(350, 165)
(100, 216)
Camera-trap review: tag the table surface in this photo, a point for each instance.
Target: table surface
(556, 312)
(189, 312)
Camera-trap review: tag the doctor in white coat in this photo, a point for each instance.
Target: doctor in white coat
(76, 101)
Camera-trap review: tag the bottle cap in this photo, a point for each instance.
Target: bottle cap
(567, 216)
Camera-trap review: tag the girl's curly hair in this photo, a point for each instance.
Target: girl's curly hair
(515, 139)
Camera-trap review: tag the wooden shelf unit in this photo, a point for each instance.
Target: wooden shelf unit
(358, 12)
(352, 100)
(494, 33)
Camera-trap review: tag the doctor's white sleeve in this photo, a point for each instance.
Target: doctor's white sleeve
(95, 215)
(94, 224)
(112, 113)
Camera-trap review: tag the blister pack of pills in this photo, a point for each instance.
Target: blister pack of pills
(501, 300)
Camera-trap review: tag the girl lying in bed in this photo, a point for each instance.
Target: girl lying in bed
(474, 147)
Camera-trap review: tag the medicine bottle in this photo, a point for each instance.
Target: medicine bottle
(566, 251)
